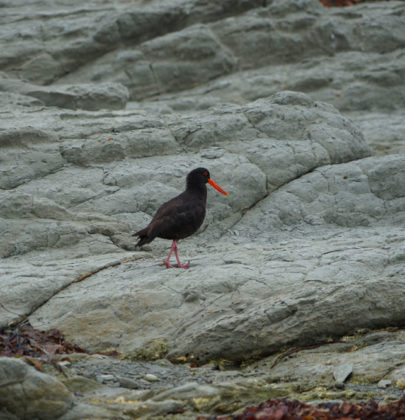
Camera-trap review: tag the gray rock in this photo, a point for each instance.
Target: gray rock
(151, 378)
(342, 373)
(109, 95)
(105, 378)
(398, 375)
(26, 393)
(90, 97)
(298, 238)
(107, 106)
(30, 153)
(122, 188)
(385, 132)
(348, 195)
(127, 383)
(384, 383)
(312, 371)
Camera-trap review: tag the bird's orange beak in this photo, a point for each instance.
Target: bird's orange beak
(217, 187)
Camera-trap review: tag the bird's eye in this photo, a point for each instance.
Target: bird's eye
(205, 173)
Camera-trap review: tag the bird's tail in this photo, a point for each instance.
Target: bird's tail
(143, 236)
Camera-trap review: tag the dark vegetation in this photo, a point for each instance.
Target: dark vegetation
(341, 3)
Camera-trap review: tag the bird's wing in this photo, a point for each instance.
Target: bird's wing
(163, 221)
(169, 208)
(177, 217)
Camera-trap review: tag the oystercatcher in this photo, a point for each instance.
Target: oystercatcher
(181, 216)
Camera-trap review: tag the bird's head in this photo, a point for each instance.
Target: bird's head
(201, 176)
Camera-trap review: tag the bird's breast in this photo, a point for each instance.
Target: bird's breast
(184, 222)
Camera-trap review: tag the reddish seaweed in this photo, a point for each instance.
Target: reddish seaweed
(295, 410)
(342, 3)
(24, 340)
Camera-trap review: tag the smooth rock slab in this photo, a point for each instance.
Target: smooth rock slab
(28, 287)
(243, 307)
(292, 270)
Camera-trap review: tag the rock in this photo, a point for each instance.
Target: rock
(109, 95)
(332, 274)
(296, 109)
(342, 372)
(90, 97)
(127, 383)
(398, 375)
(26, 393)
(346, 195)
(368, 357)
(384, 140)
(32, 153)
(117, 185)
(384, 383)
(49, 280)
(105, 378)
(271, 35)
(64, 363)
(151, 378)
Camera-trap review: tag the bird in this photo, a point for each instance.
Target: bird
(181, 216)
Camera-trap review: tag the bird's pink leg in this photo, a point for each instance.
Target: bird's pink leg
(166, 262)
(179, 264)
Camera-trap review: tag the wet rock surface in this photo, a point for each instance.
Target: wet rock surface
(295, 287)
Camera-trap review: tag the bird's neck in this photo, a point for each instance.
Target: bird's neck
(198, 190)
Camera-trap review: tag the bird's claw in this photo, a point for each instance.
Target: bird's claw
(167, 264)
(185, 266)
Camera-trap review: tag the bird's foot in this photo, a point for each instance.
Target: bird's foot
(185, 266)
(167, 264)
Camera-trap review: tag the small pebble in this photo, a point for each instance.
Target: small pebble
(127, 383)
(384, 383)
(151, 378)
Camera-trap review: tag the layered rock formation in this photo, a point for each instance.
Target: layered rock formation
(297, 112)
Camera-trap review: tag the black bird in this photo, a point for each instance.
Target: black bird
(181, 216)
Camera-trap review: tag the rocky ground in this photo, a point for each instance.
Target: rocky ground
(296, 282)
